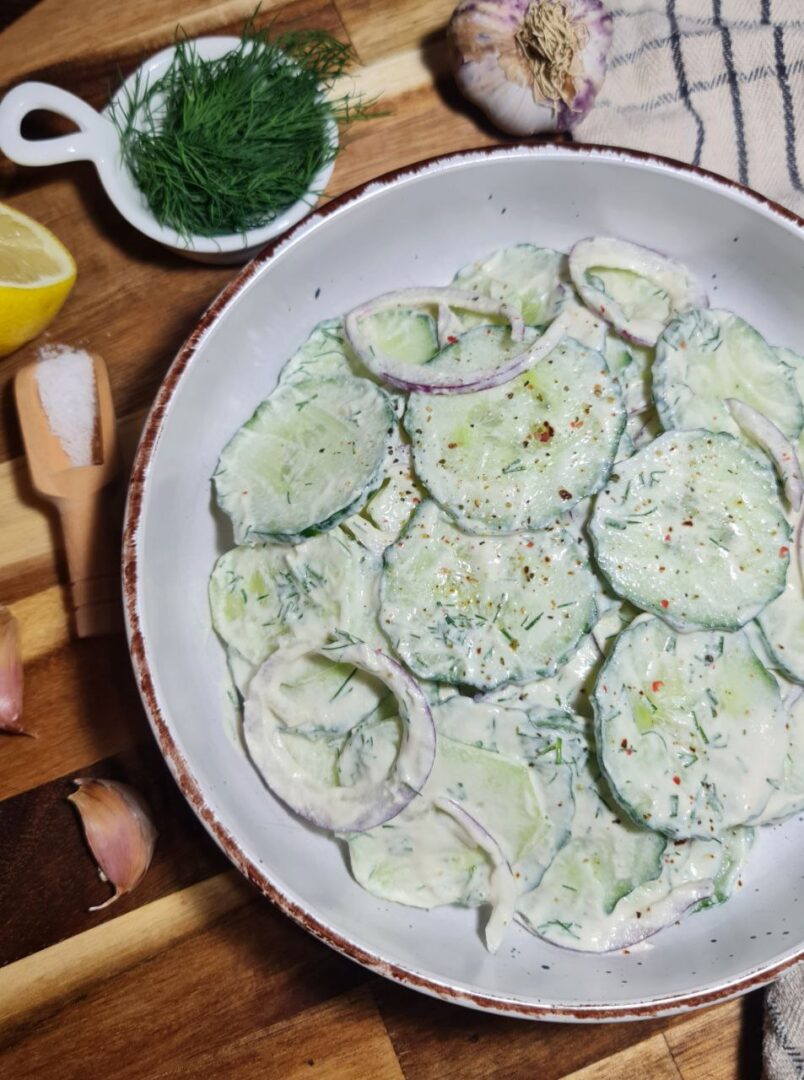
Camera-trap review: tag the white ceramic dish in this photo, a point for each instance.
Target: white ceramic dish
(412, 228)
(97, 141)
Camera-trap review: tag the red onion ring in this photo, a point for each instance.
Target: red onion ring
(503, 886)
(776, 445)
(429, 380)
(362, 805)
(669, 274)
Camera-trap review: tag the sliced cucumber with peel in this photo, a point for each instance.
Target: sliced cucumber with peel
(262, 596)
(692, 528)
(704, 357)
(691, 730)
(484, 610)
(525, 275)
(516, 456)
(311, 454)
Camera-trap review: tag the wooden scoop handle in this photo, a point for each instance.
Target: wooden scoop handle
(92, 547)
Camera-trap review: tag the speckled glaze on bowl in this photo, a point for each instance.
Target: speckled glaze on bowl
(416, 227)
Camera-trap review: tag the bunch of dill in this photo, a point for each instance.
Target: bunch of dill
(224, 146)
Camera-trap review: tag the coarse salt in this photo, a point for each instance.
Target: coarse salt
(66, 382)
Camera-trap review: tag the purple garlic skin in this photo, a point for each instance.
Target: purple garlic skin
(532, 66)
(10, 675)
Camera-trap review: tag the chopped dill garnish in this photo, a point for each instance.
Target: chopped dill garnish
(223, 146)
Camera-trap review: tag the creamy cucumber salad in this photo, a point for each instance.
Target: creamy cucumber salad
(516, 606)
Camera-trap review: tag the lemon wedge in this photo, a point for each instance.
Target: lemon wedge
(36, 275)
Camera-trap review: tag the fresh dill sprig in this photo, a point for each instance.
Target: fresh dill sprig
(223, 146)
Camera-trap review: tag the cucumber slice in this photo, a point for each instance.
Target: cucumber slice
(690, 729)
(723, 861)
(788, 796)
(570, 689)
(632, 364)
(579, 901)
(694, 874)
(324, 355)
(391, 506)
(582, 324)
(424, 859)
(692, 528)
(795, 361)
(484, 610)
(704, 357)
(524, 274)
(327, 354)
(262, 596)
(782, 626)
(402, 334)
(310, 455)
(516, 456)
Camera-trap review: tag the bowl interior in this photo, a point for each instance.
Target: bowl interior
(418, 230)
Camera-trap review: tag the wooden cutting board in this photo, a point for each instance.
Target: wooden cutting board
(195, 974)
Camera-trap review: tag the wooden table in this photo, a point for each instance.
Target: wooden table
(195, 974)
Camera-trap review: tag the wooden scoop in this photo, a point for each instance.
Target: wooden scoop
(77, 491)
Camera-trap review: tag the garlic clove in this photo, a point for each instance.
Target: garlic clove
(119, 831)
(10, 675)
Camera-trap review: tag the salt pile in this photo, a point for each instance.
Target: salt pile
(66, 382)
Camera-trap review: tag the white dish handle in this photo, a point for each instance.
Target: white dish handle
(94, 139)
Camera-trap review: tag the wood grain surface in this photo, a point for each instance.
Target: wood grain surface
(195, 974)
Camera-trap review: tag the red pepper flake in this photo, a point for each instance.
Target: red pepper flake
(656, 686)
(667, 538)
(624, 744)
(564, 494)
(547, 432)
(665, 604)
(451, 445)
(784, 552)
(452, 339)
(576, 423)
(676, 779)
(529, 543)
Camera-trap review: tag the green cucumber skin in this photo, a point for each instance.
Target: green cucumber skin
(699, 333)
(666, 596)
(739, 802)
(227, 492)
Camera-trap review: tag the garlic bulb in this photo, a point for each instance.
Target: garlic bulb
(531, 65)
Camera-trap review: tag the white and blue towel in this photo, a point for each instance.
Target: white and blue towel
(716, 83)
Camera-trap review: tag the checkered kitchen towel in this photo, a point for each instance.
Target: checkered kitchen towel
(718, 83)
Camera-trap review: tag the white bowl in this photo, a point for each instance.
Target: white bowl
(411, 228)
(97, 141)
